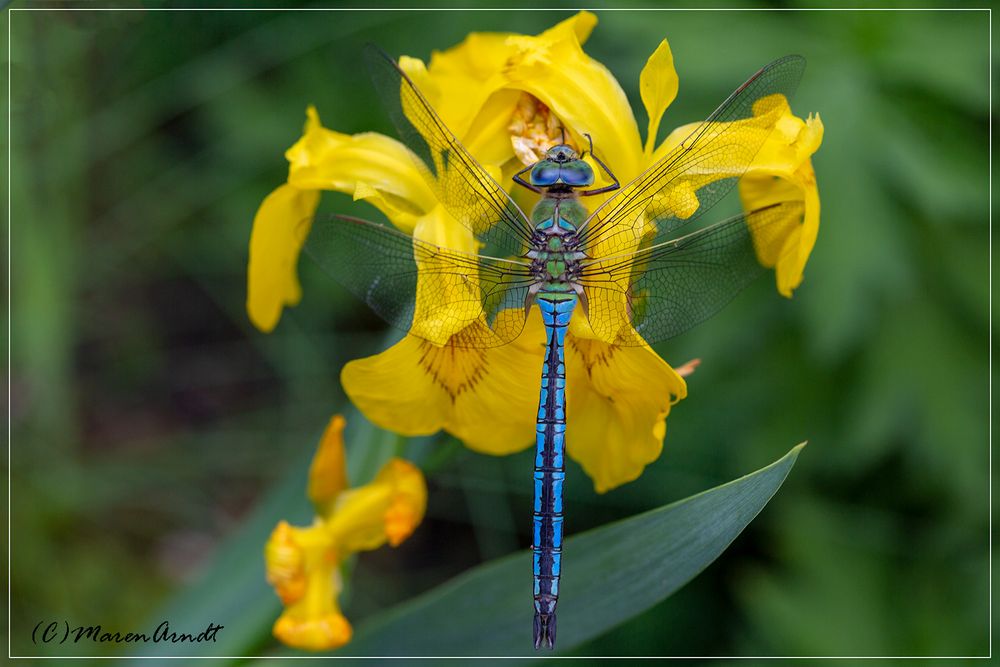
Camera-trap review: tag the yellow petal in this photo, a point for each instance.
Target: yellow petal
(446, 301)
(465, 84)
(313, 633)
(583, 94)
(328, 472)
(658, 87)
(416, 388)
(488, 138)
(461, 81)
(386, 509)
(395, 389)
(617, 402)
(275, 241)
(369, 166)
(302, 567)
(499, 417)
(580, 25)
(409, 501)
(783, 172)
(285, 562)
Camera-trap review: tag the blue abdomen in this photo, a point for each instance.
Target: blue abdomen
(550, 445)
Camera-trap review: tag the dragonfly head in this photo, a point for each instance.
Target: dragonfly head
(562, 166)
(561, 153)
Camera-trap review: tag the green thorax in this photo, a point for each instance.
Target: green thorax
(560, 215)
(557, 218)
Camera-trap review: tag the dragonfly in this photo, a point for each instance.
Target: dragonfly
(637, 268)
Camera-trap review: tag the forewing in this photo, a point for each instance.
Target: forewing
(664, 290)
(462, 185)
(698, 172)
(429, 291)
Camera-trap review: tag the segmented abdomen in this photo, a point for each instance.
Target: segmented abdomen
(549, 467)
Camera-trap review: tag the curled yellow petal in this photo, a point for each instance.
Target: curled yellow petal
(783, 172)
(387, 509)
(279, 230)
(368, 165)
(617, 402)
(658, 87)
(328, 472)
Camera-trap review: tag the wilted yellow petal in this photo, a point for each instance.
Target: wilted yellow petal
(279, 230)
(409, 499)
(617, 402)
(285, 563)
(658, 88)
(302, 567)
(302, 563)
(321, 632)
(386, 509)
(328, 472)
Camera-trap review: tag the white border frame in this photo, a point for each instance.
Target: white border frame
(11, 10)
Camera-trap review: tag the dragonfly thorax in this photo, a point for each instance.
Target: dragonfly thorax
(555, 253)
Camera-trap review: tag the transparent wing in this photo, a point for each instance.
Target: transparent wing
(462, 185)
(428, 291)
(698, 172)
(664, 290)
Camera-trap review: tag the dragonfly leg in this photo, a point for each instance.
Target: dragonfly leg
(606, 188)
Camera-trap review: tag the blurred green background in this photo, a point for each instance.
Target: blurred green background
(157, 436)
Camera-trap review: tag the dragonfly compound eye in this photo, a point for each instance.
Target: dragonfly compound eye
(545, 173)
(577, 173)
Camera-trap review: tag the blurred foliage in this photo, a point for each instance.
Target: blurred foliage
(157, 436)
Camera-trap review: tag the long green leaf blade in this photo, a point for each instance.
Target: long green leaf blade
(612, 573)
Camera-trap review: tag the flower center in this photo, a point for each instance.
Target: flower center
(534, 129)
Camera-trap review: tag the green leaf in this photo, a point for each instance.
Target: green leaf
(610, 574)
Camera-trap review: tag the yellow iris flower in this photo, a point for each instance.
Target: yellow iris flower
(509, 97)
(303, 563)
